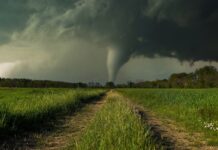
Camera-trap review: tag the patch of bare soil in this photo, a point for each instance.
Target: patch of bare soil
(72, 127)
(64, 129)
(169, 135)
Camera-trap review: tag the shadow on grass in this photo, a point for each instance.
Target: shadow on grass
(24, 135)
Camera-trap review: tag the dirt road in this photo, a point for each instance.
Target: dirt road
(70, 127)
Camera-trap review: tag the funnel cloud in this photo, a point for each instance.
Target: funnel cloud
(115, 60)
(68, 39)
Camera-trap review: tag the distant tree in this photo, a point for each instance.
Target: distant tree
(207, 70)
(4, 82)
(110, 85)
(162, 83)
(180, 80)
(131, 84)
(207, 76)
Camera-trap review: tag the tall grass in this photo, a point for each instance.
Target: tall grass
(28, 108)
(115, 127)
(195, 109)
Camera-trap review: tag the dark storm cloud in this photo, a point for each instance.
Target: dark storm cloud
(186, 29)
(183, 29)
(13, 17)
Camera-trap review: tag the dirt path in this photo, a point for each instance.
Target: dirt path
(64, 130)
(71, 129)
(168, 134)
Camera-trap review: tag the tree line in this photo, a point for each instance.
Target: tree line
(26, 83)
(206, 77)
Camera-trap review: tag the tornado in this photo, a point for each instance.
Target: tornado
(116, 58)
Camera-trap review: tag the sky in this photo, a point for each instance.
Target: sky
(106, 40)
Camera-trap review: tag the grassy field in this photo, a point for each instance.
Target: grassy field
(115, 127)
(28, 108)
(195, 109)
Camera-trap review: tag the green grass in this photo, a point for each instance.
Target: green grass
(195, 109)
(28, 108)
(115, 127)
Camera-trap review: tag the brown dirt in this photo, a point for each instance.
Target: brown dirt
(64, 129)
(170, 135)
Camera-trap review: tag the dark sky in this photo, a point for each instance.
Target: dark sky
(91, 40)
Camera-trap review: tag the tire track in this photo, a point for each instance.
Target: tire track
(58, 133)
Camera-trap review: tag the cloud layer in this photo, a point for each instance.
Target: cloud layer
(50, 37)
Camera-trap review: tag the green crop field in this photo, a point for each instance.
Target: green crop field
(27, 108)
(194, 109)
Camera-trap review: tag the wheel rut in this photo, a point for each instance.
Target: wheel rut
(71, 128)
(168, 134)
(59, 133)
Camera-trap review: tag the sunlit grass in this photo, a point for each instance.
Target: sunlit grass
(28, 108)
(195, 109)
(115, 127)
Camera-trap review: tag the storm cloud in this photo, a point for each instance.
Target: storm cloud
(48, 36)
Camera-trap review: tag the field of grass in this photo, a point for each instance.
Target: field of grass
(28, 108)
(195, 109)
(115, 127)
